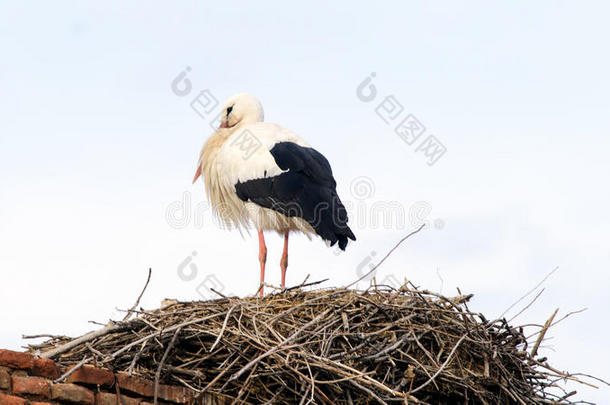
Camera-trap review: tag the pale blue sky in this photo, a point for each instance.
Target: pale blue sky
(95, 149)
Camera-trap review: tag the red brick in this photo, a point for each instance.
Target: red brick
(5, 379)
(11, 400)
(135, 385)
(18, 360)
(174, 394)
(92, 375)
(45, 368)
(72, 393)
(104, 398)
(31, 385)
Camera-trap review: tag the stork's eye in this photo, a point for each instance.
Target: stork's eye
(229, 109)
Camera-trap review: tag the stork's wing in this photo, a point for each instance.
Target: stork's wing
(296, 181)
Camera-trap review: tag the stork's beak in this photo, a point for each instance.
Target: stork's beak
(197, 174)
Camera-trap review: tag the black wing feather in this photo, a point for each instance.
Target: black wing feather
(307, 190)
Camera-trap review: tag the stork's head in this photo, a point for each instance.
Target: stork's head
(242, 108)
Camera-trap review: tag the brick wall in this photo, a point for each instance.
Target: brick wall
(28, 380)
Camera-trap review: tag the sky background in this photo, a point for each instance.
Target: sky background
(97, 153)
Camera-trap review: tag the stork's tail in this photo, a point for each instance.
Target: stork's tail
(333, 224)
(342, 238)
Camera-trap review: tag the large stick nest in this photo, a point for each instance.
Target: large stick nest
(334, 346)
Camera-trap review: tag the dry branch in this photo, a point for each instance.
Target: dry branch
(135, 305)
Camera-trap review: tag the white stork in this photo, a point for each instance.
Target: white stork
(262, 174)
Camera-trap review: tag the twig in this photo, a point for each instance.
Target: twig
(135, 359)
(304, 281)
(44, 335)
(386, 256)
(369, 392)
(109, 328)
(224, 325)
(119, 397)
(139, 297)
(278, 346)
(170, 329)
(158, 374)
(529, 292)
(542, 333)
(94, 350)
(218, 293)
(442, 367)
(568, 315)
(303, 284)
(527, 306)
(73, 369)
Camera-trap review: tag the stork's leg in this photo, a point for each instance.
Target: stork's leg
(284, 261)
(262, 258)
